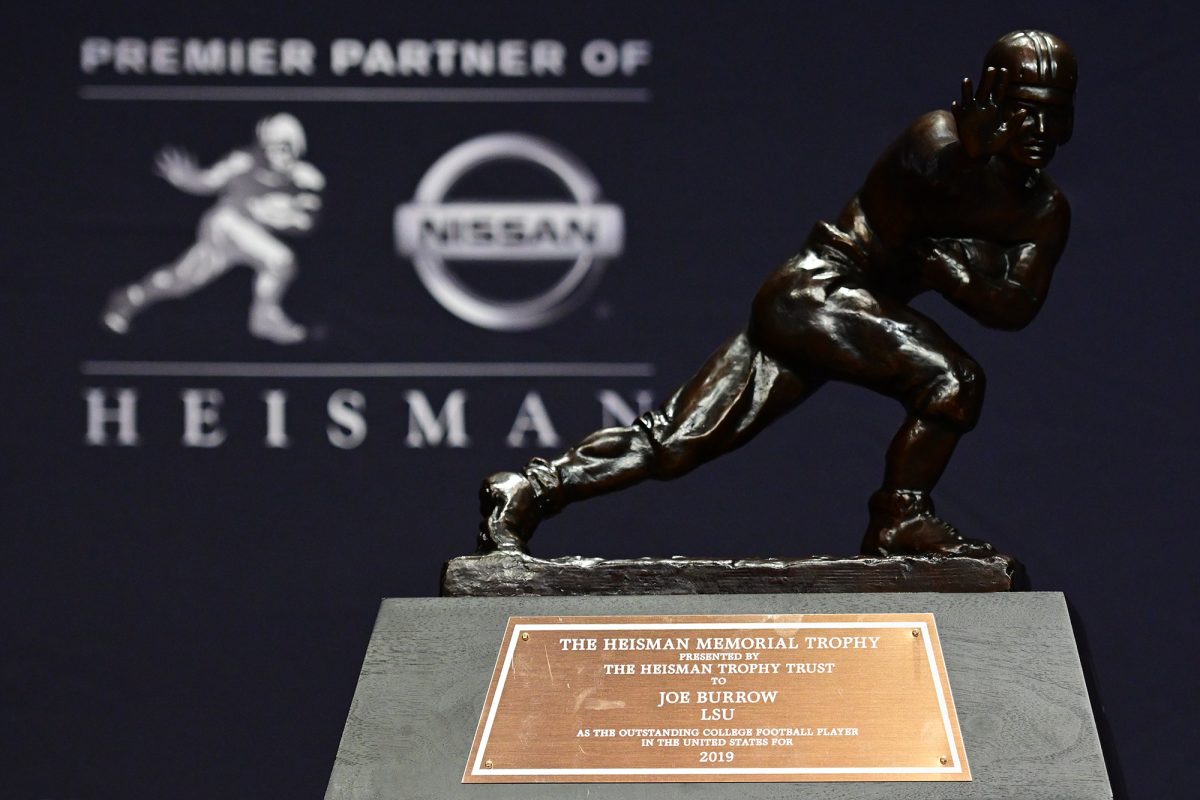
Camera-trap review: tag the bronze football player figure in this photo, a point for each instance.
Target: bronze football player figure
(961, 205)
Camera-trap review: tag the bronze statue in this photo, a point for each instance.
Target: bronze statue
(960, 204)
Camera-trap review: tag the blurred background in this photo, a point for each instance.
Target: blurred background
(201, 512)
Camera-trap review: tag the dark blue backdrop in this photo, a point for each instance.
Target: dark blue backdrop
(189, 622)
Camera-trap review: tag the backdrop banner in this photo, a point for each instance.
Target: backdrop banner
(281, 285)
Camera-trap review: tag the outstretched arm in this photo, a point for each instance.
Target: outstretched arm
(1001, 287)
(180, 169)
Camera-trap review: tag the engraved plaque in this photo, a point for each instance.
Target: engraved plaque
(813, 697)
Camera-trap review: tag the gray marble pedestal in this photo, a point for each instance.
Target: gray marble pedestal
(1011, 658)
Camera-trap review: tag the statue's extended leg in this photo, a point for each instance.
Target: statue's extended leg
(513, 503)
(737, 392)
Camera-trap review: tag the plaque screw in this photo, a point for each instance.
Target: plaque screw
(942, 759)
(916, 633)
(525, 636)
(488, 764)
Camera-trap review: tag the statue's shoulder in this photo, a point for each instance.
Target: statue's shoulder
(929, 135)
(926, 152)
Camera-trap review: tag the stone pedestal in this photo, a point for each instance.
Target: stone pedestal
(1011, 659)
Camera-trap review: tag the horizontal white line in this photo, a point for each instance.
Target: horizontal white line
(364, 94)
(283, 369)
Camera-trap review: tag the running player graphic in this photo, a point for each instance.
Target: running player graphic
(264, 190)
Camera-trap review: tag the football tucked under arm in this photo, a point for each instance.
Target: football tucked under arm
(1001, 287)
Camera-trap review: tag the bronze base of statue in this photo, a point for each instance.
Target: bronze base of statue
(506, 573)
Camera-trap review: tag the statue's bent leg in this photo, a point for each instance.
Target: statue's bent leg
(737, 392)
(943, 396)
(817, 318)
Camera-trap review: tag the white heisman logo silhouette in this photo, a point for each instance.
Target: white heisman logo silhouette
(262, 189)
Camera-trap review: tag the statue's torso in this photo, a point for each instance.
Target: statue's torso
(921, 189)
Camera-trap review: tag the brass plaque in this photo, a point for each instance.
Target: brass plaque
(812, 697)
